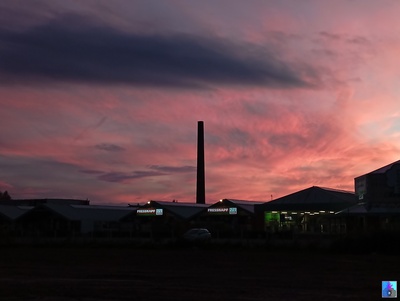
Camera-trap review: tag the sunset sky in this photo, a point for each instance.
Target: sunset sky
(100, 99)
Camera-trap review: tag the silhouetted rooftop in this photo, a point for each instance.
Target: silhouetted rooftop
(313, 198)
(383, 169)
(13, 212)
(182, 210)
(248, 206)
(85, 212)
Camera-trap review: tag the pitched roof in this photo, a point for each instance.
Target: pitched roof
(12, 212)
(182, 210)
(248, 206)
(88, 212)
(383, 169)
(313, 198)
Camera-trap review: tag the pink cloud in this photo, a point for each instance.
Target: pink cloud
(254, 149)
(124, 143)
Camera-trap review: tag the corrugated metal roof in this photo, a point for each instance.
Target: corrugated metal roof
(248, 206)
(313, 198)
(182, 210)
(12, 212)
(89, 212)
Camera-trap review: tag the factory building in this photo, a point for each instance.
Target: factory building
(373, 208)
(159, 219)
(378, 207)
(8, 215)
(230, 218)
(56, 220)
(311, 210)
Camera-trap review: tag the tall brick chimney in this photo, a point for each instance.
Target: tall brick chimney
(201, 181)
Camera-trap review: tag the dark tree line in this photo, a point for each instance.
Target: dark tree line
(5, 196)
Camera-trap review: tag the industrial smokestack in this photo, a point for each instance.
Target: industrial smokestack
(201, 180)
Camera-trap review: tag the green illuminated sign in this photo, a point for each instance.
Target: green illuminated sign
(271, 216)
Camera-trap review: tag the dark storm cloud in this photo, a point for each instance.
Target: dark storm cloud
(109, 147)
(76, 50)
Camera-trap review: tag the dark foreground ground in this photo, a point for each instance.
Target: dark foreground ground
(129, 273)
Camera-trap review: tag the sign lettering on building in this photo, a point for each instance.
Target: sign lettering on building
(223, 210)
(150, 211)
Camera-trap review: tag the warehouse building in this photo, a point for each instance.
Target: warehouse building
(230, 218)
(159, 219)
(8, 215)
(374, 207)
(310, 210)
(68, 220)
(378, 208)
